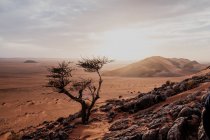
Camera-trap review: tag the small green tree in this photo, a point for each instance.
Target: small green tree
(60, 78)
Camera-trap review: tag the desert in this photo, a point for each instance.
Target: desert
(26, 102)
(104, 70)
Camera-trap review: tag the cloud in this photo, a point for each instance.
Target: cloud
(75, 25)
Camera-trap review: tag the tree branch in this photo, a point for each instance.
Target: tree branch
(99, 84)
(71, 96)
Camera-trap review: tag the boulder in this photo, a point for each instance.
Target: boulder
(157, 122)
(169, 92)
(176, 132)
(139, 104)
(185, 112)
(106, 107)
(120, 124)
(175, 109)
(163, 132)
(60, 120)
(150, 135)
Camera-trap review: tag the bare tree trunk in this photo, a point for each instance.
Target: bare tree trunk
(90, 108)
(94, 99)
(88, 114)
(84, 113)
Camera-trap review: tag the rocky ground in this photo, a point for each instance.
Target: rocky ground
(170, 112)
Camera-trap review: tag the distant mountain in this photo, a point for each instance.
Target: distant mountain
(30, 61)
(158, 66)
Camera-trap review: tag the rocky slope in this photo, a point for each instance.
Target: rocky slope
(170, 112)
(158, 66)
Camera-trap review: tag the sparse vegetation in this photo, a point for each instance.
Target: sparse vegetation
(60, 79)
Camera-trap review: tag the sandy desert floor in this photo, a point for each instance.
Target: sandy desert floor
(25, 101)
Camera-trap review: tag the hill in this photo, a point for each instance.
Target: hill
(202, 72)
(30, 61)
(158, 66)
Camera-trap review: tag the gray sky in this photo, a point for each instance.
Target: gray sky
(119, 29)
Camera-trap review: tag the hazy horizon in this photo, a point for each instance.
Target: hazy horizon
(115, 61)
(127, 30)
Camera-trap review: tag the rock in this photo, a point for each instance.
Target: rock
(114, 101)
(139, 104)
(176, 132)
(150, 135)
(65, 122)
(68, 128)
(197, 112)
(62, 135)
(50, 126)
(182, 86)
(185, 112)
(130, 133)
(203, 98)
(176, 88)
(201, 133)
(193, 123)
(160, 98)
(60, 120)
(58, 135)
(192, 84)
(26, 137)
(157, 122)
(51, 135)
(194, 120)
(169, 92)
(111, 115)
(163, 132)
(106, 107)
(174, 110)
(120, 124)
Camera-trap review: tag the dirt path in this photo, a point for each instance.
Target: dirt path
(94, 130)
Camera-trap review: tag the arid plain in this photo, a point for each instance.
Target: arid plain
(25, 101)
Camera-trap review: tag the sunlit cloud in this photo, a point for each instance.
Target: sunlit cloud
(121, 29)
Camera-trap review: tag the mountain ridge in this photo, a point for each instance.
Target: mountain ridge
(158, 66)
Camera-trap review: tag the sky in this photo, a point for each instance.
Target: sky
(118, 29)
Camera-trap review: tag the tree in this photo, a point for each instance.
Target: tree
(60, 78)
